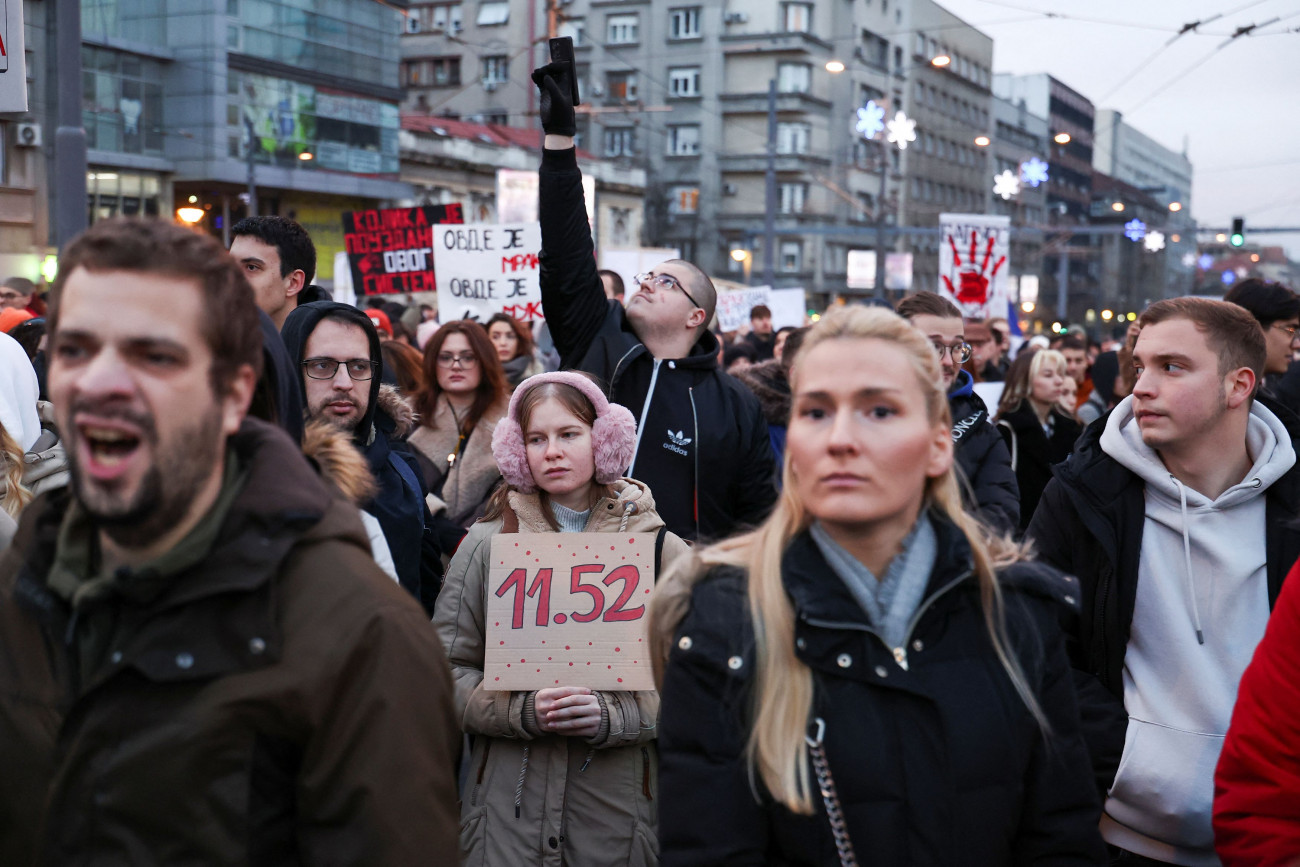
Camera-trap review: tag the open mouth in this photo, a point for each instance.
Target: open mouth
(109, 448)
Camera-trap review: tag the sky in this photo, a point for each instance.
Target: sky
(1238, 106)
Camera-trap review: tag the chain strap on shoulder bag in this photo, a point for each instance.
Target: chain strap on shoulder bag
(826, 783)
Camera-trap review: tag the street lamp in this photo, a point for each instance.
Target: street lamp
(189, 216)
(1175, 206)
(982, 141)
(1107, 315)
(835, 66)
(1117, 206)
(941, 61)
(1061, 138)
(306, 156)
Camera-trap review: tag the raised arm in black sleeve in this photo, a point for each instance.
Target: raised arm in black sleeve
(572, 294)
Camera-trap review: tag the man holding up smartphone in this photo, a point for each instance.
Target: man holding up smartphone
(655, 356)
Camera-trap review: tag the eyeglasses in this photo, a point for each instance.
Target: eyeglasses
(1292, 330)
(359, 369)
(960, 351)
(663, 282)
(465, 360)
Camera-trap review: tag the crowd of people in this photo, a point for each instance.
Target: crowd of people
(926, 593)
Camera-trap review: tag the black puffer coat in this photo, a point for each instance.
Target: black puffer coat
(989, 487)
(1033, 453)
(939, 763)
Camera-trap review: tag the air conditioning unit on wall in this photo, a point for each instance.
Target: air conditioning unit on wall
(735, 18)
(28, 135)
(728, 189)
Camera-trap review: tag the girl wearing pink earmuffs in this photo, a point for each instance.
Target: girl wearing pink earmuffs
(566, 775)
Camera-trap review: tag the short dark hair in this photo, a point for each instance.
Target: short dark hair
(760, 311)
(792, 345)
(1073, 341)
(1232, 333)
(1268, 302)
(22, 284)
(615, 279)
(229, 323)
(297, 252)
(927, 304)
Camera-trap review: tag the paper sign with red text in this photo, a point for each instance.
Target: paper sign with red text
(569, 609)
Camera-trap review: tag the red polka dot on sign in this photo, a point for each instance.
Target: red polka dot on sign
(566, 647)
(570, 665)
(507, 665)
(549, 658)
(640, 639)
(620, 680)
(516, 544)
(523, 660)
(526, 553)
(608, 666)
(587, 547)
(557, 681)
(647, 591)
(616, 650)
(611, 547)
(589, 644)
(630, 540)
(497, 678)
(498, 623)
(503, 641)
(539, 671)
(561, 617)
(589, 663)
(635, 661)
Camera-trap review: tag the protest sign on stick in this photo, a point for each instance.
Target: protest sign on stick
(487, 268)
(391, 250)
(973, 263)
(569, 609)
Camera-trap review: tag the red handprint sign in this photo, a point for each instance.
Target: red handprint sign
(973, 281)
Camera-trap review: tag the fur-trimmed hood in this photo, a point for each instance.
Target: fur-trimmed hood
(771, 386)
(398, 408)
(339, 461)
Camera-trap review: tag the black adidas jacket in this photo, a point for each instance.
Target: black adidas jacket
(702, 443)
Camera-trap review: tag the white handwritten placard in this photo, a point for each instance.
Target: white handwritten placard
(488, 268)
(569, 609)
(734, 306)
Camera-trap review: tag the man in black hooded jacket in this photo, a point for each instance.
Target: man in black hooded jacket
(336, 349)
(702, 442)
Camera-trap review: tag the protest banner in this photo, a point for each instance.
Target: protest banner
(391, 250)
(973, 264)
(789, 307)
(13, 68)
(734, 306)
(569, 609)
(485, 268)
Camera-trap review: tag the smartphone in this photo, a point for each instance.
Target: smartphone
(562, 52)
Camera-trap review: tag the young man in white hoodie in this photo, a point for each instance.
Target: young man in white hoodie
(1177, 515)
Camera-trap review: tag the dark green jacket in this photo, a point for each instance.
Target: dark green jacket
(279, 702)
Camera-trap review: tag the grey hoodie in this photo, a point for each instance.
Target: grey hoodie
(1202, 606)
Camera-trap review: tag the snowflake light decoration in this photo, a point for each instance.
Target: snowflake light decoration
(1033, 172)
(871, 120)
(1006, 185)
(1154, 242)
(1228, 278)
(901, 130)
(1135, 230)
(1205, 262)
(1189, 259)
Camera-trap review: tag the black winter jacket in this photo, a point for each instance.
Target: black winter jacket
(1089, 524)
(1033, 454)
(989, 487)
(702, 440)
(938, 763)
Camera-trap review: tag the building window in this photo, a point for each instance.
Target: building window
(431, 72)
(684, 23)
(793, 77)
(875, 50)
(620, 85)
(796, 17)
(496, 69)
(791, 256)
(622, 29)
(111, 192)
(684, 81)
(441, 17)
(620, 142)
(683, 200)
(121, 101)
(493, 12)
(792, 198)
(684, 141)
(792, 138)
(575, 29)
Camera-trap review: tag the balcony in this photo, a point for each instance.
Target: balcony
(768, 43)
(756, 103)
(757, 163)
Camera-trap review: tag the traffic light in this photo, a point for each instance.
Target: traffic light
(1238, 236)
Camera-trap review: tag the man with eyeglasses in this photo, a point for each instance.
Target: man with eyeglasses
(1277, 310)
(988, 481)
(336, 347)
(702, 442)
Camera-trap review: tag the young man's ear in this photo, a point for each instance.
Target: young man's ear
(297, 282)
(1239, 385)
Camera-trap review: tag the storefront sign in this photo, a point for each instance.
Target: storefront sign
(391, 250)
(486, 268)
(569, 609)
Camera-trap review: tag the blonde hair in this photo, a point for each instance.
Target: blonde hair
(783, 695)
(14, 495)
(1021, 375)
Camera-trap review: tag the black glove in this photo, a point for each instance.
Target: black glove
(554, 82)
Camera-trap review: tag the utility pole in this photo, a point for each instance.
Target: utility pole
(252, 169)
(69, 136)
(880, 221)
(769, 216)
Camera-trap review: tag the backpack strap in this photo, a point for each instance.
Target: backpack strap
(1003, 423)
(659, 551)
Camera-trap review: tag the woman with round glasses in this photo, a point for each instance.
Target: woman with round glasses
(1037, 431)
(988, 484)
(464, 397)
